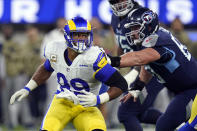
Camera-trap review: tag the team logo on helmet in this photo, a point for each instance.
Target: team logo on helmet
(147, 17)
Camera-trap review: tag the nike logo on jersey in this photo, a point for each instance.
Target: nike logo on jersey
(83, 65)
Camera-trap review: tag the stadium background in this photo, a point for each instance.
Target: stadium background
(43, 14)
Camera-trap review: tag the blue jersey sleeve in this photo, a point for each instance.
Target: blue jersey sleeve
(47, 66)
(165, 54)
(103, 70)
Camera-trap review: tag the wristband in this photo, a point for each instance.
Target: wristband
(103, 98)
(115, 60)
(98, 102)
(31, 84)
(138, 84)
(26, 88)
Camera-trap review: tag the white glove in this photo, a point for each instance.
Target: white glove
(132, 93)
(19, 95)
(66, 94)
(135, 94)
(88, 99)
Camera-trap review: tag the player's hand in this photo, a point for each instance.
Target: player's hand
(88, 99)
(66, 94)
(19, 95)
(132, 93)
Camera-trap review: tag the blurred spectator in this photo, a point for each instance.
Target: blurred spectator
(2, 80)
(31, 57)
(56, 34)
(14, 79)
(103, 37)
(177, 29)
(193, 49)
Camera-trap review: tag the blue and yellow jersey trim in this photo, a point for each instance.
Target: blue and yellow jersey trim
(47, 66)
(103, 70)
(73, 27)
(193, 119)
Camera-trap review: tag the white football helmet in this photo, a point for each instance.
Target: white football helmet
(78, 25)
(121, 7)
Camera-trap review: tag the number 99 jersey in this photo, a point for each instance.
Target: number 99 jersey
(87, 71)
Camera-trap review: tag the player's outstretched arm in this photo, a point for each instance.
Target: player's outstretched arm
(39, 77)
(136, 58)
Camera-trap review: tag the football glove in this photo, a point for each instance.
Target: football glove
(66, 94)
(19, 95)
(135, 94)
(131, 93)
(88, 99)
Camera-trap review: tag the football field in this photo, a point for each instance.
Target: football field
(145, 129)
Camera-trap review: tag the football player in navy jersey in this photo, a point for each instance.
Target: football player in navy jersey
(131, 113)
(160, 54)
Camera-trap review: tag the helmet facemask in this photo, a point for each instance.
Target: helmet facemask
(121, 8)
(78, 34)
(79, 44)
(140, 24)
(136, 35)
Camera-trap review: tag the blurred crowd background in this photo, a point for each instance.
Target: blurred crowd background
(21, 52)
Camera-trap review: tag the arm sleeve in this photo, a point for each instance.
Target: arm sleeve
(117, 80)
(137, 85)
(165, 54)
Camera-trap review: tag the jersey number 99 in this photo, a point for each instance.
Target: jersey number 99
(77, 83)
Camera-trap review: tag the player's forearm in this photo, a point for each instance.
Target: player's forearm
(41, 75)
(114, 92)
(142, 80)
(138, 58)
(145, 76)
(111, 94)
(132, 59)
(117, 84)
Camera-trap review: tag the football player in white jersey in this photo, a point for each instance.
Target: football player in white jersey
(80, 69)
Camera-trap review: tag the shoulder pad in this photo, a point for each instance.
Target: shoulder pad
(53, 47)
(150, 41)
(92, 54)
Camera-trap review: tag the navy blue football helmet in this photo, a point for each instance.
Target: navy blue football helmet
(143, 22)
(121, 7)
(74, 26)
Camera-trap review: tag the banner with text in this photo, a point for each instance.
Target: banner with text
(47, 11)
